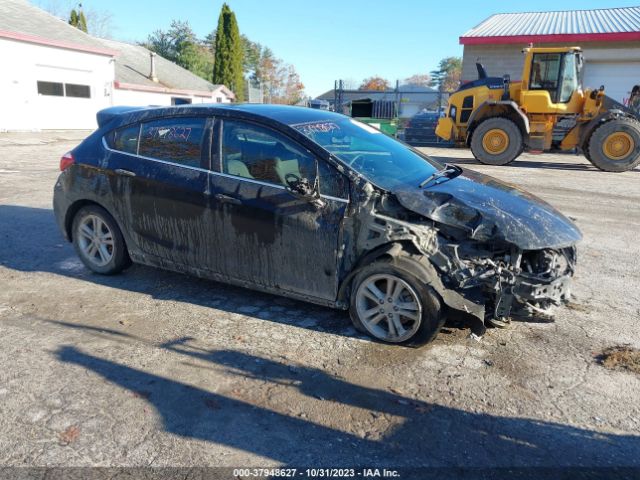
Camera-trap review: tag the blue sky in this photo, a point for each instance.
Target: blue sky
(331, 39)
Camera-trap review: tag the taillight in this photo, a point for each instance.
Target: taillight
(66, 161)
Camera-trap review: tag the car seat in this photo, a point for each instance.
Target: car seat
(285, 163)
(237, 168)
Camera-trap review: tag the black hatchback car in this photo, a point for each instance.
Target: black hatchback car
(315, 206)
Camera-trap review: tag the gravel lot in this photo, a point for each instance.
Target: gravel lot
(155, 368)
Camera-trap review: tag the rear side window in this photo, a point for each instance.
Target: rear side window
(177, 140)
(124, 139)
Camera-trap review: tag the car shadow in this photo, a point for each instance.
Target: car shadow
(421, 433)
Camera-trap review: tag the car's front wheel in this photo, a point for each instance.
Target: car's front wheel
(98, 241)
(390, 304)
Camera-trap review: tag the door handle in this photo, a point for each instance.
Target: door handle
(222, 198)
(126, 173)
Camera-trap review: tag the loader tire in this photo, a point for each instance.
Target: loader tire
(615, 145)
(497, 141)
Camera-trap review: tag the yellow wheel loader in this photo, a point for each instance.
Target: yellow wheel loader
(548, 110)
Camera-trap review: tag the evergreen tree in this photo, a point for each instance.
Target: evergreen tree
(229, 53)
(73, 18)
(82, 22)
(78, 20)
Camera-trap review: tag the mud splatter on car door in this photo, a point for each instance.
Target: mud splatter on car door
(265, 235)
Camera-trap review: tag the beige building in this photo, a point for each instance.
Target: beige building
(610, 39)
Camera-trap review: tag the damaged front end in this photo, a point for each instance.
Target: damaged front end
(509, 281)
(487, 248)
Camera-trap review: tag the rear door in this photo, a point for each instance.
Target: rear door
(266, 236)
(159, 175)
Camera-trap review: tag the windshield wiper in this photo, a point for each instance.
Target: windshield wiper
(449, 171)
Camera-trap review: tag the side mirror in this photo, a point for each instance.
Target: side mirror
(302, 189)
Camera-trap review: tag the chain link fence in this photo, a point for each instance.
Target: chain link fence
(409, 112)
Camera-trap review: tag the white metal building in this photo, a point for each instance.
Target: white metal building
(55, 76)
(610, 39)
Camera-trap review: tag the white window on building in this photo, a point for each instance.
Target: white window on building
(218, 99)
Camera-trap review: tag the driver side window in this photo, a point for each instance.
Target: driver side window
(258, 153)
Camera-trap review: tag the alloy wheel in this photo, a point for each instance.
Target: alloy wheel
(389, 308)
(95, 240)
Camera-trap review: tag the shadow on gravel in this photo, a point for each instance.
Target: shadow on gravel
(427, 434)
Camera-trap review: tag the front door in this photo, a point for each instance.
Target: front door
(266, 236)
(158, 176)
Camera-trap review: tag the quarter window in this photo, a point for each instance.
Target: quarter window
(125, 139)
(258, 153)
(176, 140)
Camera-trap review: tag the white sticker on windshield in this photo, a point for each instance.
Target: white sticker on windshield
(365, 127)
(318, 127)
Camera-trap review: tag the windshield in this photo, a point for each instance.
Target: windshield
(382, 160)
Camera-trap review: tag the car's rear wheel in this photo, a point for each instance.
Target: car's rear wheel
(98, 241)
(392, 305)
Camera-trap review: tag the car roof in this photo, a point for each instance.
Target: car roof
(285, 114)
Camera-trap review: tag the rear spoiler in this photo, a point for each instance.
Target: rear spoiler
(105, 116)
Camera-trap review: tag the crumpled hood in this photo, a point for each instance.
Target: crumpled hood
(491, 210)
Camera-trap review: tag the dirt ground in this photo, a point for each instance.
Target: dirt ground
(155, 368)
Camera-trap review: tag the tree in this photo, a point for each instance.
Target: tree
(294, 88)
(252, 55)
(99, 22)
(82, 22)
(374, 83)
(447, 77)
(180, 45)
(419, 79)
(280, 80)
(228, 59)
(271, 73)
(77, 19)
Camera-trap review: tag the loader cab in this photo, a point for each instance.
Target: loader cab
(551, 79)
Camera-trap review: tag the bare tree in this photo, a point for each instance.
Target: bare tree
(419, 79)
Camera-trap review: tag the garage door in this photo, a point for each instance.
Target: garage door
(617, 77)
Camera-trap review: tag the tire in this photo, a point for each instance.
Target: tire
(427, 319)
(109, 255)
(615, 145)
(496, 141)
